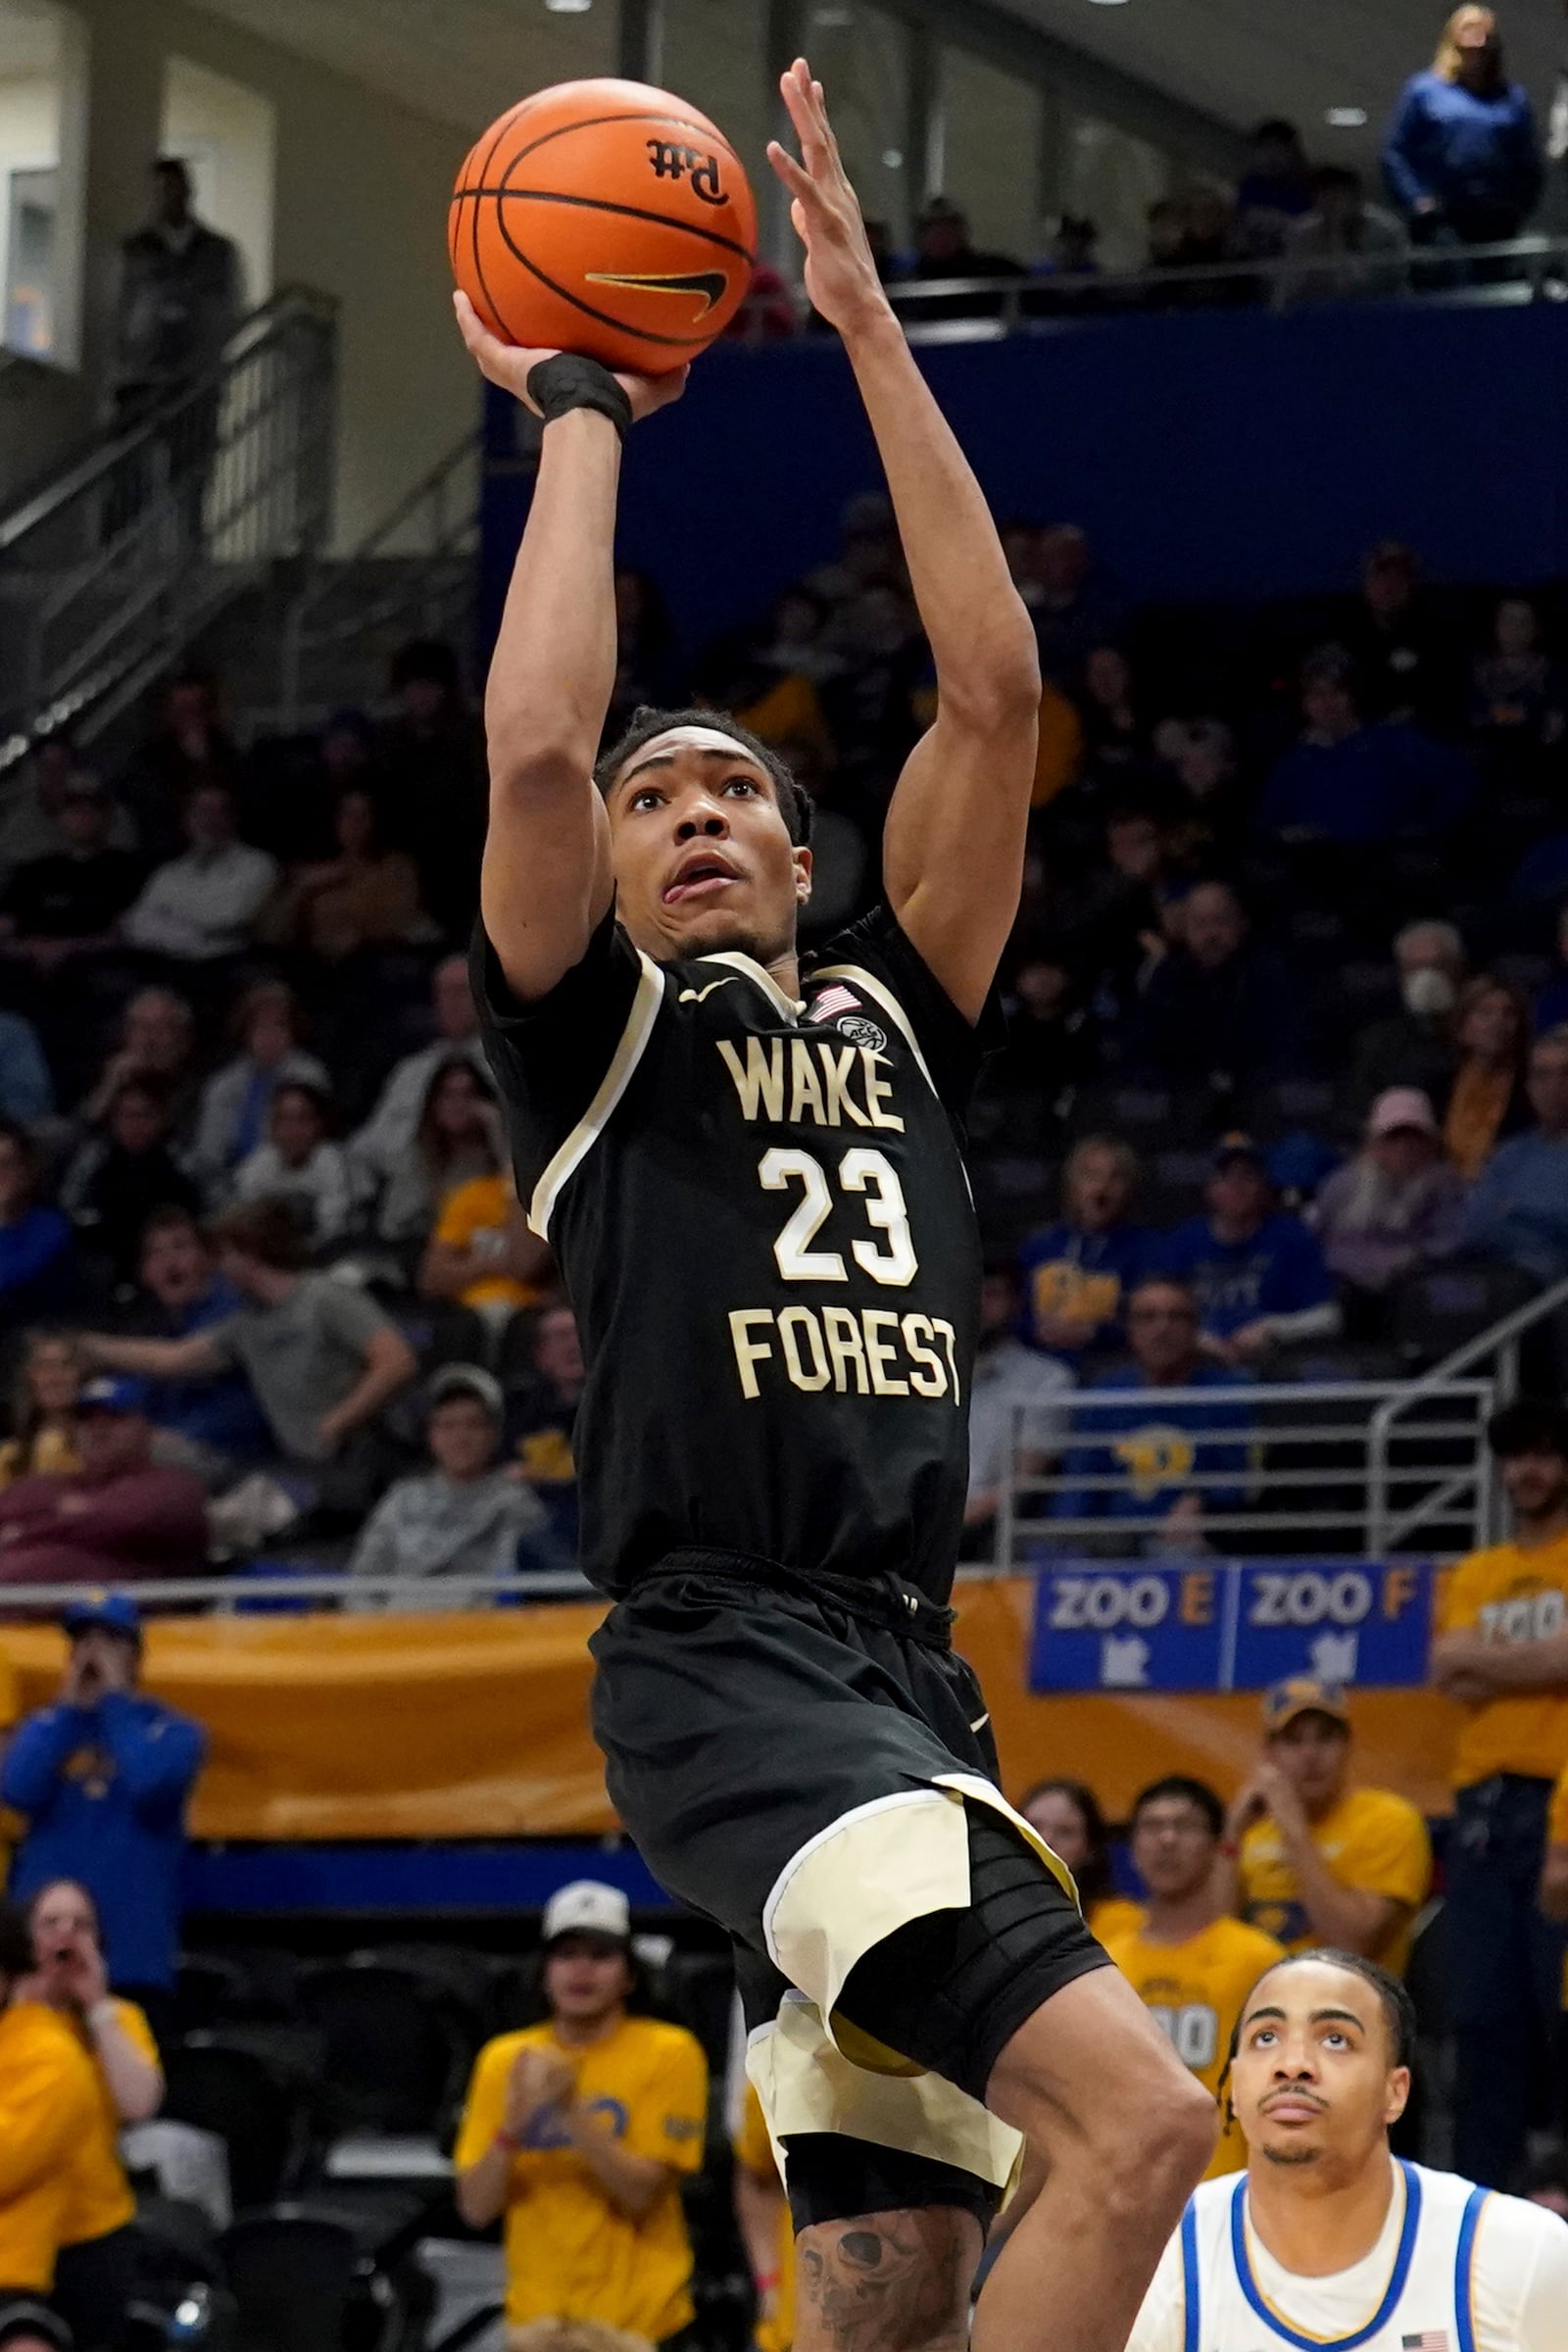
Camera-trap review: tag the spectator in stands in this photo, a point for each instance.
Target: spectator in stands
(365, 897)
(48, 2106)
(458, 1142)
(188, 747)
(1190, 1962)
(1398, 1205)
(70, 902)
(1114, 926)
(1071, 251)
(1404, 662)
(157, 1042)
(121, 1518)
(483, 1252)
(766, 313)
(1078, 1273)
(462, 1517)
(1166, 222)
(1068, 1816)
(1518, 696)
(119, 1177)
(1218, 1010)
(299, 1162)
(1115, 751)
(1164, 1466)
(1356, 784)
(1256, 1270)
(1276, 188)
(431, 781)
(44, 1415)
(98, 2273)
(103, 1777)
(202, 905)
(236, 1105)
(1354, 248)
(37, 1265)
(542, 1416)
(322, 1357)
(1208, 816)
(578, 2131)
(31, 827)
(943, 250)
(767, 2229)
(381, 1146)
(1487, 1101)
(1413, 1047)
(1016, 1408)
(26, 1089)
(182, 1292)
(1072, 608)
(179, 296)
(1462, 157)
(1314, 1859)
(1502, 1651)
(1051, 1049)
(1518, 1210)
(1551, 1005)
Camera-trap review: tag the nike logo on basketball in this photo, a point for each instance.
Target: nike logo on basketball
(695, 995)
(711, 284)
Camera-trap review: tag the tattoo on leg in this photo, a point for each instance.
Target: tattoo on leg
(888, 2281)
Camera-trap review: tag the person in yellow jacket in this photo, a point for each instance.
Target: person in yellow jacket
(762, 2218)
(48, 2109)
(96, 2275)
(578, 2131)
(1502, 1650)
(1190, 1963)
(1314, 1860)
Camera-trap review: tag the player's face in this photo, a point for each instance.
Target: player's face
(702, 855)
(1312, 1752)
(586, 1976)
(1313, 2080)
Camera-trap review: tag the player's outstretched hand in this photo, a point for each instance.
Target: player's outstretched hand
(840, 275)
(509, 367)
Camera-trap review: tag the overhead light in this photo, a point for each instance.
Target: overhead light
(1346, 118)
(568, 8)
(893, 158)
(1108, 3)
(831, 20)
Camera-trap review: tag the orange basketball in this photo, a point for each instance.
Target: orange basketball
(605, 218)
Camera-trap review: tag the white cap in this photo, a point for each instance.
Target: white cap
(587, 1907)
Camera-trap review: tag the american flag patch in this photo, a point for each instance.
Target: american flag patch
(1430, 2339)
(832, 1001)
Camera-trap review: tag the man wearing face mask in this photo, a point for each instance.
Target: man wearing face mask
(1412, 1047)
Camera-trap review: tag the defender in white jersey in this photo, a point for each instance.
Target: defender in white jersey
(1327, 2242)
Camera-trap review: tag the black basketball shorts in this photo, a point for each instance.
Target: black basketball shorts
(807, 1762)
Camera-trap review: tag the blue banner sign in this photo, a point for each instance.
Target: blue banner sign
(1230, 1624)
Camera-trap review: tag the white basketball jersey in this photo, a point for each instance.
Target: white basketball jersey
(1457, 2269)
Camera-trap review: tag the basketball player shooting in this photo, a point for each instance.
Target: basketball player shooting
(1326, 2244)
(749, 1166)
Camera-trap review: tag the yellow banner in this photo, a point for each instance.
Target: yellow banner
(477, 1725)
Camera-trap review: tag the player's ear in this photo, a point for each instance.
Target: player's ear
(803, 875)
(1399, 2094)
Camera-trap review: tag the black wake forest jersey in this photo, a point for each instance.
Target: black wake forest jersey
(761, 1214)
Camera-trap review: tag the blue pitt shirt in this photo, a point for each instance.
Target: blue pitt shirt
(1278, 1272)
(1085, 1276)
(1151, 1448)
(104, 1791)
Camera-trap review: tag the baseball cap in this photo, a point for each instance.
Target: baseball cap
(1303, 1694)
(112, 1393)
(116, 1612)
(1237, 1146)
(468, 1380)
(1399, 1107)
(587, 1907)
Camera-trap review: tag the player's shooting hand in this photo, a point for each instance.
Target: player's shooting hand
(840, 275)
(509, 367)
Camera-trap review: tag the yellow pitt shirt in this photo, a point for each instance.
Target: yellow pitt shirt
(10, 1717)
(1116, 1915)
(1511, 1594)
(753, 2152)
(1193, 1991)
(1372, 1840)
(100, 2197)
(571, 2255)
(48, 2111)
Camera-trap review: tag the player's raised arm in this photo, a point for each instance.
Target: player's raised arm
(546, 880)
(953, 856)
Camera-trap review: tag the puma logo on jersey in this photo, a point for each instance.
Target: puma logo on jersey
(818, 1082)
(696, 995)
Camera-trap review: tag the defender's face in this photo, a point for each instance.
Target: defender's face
(702, 855)
(1313, 2080)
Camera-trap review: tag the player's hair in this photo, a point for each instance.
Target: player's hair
(1398, 2010)
(1194, 1792)
(1529, 1425)
(646, 723)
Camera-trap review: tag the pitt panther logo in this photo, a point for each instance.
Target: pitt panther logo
(1153, 1459)
(673, 162)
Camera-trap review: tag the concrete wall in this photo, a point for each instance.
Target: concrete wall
(362, 186)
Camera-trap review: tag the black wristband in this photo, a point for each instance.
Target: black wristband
(568, 382)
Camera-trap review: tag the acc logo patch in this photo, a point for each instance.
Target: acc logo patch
(861, 1032)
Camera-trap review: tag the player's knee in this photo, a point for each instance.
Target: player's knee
(894, 2281)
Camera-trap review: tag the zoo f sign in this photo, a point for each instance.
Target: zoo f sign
(1230, 1624)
